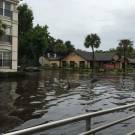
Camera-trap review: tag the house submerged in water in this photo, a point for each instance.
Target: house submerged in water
(83, 59)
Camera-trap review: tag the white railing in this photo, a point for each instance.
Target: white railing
(132, 133)
(87, 117)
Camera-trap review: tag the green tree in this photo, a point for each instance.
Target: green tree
(25, 18)
(69, 46)
(93, 41)
(35, 45)
(2, 28)
(60, 48)
(37, 41)
(51, 45)
(125, 45)
(112, 50)
(25, 26)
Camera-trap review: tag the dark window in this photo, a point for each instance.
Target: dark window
(82, 64)
(5, 8)
(64, 63)
(1, 7)
(5, 60)
(7, 13)
(7, 5)
(0, 59)
(72, 64)
(6, 39)
(1, 4)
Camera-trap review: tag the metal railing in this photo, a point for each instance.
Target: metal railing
(87, 117)
(132, 133)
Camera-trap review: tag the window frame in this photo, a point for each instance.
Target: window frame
(5, 61)
(5, 12)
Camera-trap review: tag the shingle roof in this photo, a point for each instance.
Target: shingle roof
(131, 60)
(98, 56)
(86, 55)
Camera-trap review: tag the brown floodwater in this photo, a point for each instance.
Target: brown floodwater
(46, 96)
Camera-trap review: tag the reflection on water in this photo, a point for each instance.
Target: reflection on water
(52, 95)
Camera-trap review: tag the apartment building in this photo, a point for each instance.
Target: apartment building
(9, 41)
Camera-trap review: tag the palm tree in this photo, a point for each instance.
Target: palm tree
(2, 28)
(124, 45)
(93, 41)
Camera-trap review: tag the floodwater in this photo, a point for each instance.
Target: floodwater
(46, 96)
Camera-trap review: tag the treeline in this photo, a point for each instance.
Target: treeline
(36, 41)
(130, 51)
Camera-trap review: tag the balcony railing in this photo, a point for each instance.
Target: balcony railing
(5, 12)
(6, 39)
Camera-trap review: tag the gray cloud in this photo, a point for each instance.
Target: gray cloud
(74, 19)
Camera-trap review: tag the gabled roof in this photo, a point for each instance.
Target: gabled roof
(98, 56)
(84, 54)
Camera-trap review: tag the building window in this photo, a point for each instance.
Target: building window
(5, 8)
(82, 64)
(72, 64)
(6, 38)
(8, 30)
(7, 5)
(64, 64)
(5, 59)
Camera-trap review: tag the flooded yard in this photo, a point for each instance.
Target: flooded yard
(53, 95)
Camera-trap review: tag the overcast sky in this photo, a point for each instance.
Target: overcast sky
(72, 20)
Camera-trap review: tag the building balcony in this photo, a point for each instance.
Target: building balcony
(6, 13)
(6, 39)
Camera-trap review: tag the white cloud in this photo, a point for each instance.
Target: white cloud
(74, 19)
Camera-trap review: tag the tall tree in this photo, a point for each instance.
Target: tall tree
(69, 46)
(35, 45)
(124, 46)
(93, 41)
(60, 48)
(2, 28)
(25, 19)
(51, 45)
(39, 42)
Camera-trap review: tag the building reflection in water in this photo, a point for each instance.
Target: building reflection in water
(7, 97)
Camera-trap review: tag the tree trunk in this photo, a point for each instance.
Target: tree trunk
(124, 65)
(93, 58)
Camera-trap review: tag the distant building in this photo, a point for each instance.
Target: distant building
(9, 41)
(84, 59)
(131, 62)
(50, 60)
